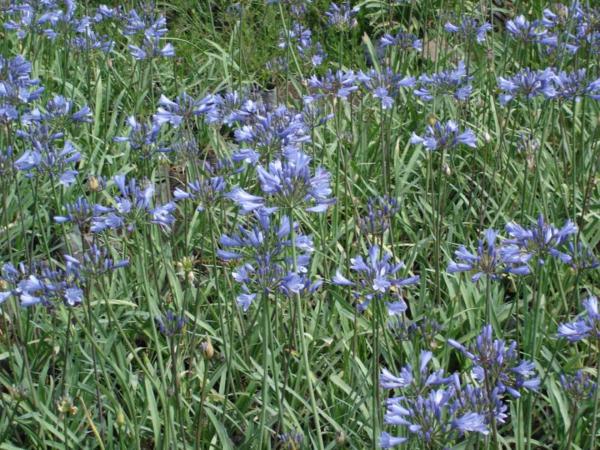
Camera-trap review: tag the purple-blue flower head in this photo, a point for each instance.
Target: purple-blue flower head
(205, 191)
(264, 250)
(538, 241)
(431, 407)
(522, 29)
(143, 137)
(403, 41)
(574, 85)
(586, 327)
(469, 29)
(342, 16)
(497, 365)
(384, 85)
(182, 110)
(133, 204)
(288, 182)
(486, 262)
(374, 277)
(528, 84)
(338, 84)
(578, 387)
(455, 83)
(446, 136)
(16, 87)
(45, 156)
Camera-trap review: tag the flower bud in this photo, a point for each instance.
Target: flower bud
(207, 348)
(120, 418)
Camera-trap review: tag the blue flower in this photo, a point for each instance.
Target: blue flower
(578, 257)
(335, 84)
(404, 41)
(578, 387)
(288, 182)
(143, 138)
(384, 85)
(386, 440)
(374, 278)
(133, 205)
(451, 82)
(45, 156)
(93, 262)
(469, 28)
(264, 250)
(38, 283)
(444, 137)
(17, 88)
(522, 29)
(182, 110)
(574, 85)
(342, 16)
(527, 83)
(246, 201)
(206, 191)
(498, 366)
(79, 212)
(540, 240)
(432, 408)
(587, 327)
(487, 262)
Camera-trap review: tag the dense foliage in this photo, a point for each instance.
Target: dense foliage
(299, 224)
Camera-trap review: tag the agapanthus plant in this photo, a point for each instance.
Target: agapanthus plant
(342, 16)
(338, 84)
(586, 327)
(528, 84)
(39, 283)
(384, 85)
(152, 28)
(182, 110)
(455, 83)
(143, 138)
(379, 215)
(498, 366)
(444, 136)
(131, 206)
(577, 256)
(469, 29)
(48, 154)
(578, 387)
(522, 29)
(574, 85)
(539, 241)
(16, 87)
(204, 191)
(430, 408)
(376, 278)
(267, 264)
(79, 213)
(403, 41)
(270, 132)
(93, 262)
(487, 261)
(300, 38)
(58, 114)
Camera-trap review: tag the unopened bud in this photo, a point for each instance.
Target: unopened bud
(446, 169)
(121, 418)
(94, 184)
(340, 438)
(208, 351)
